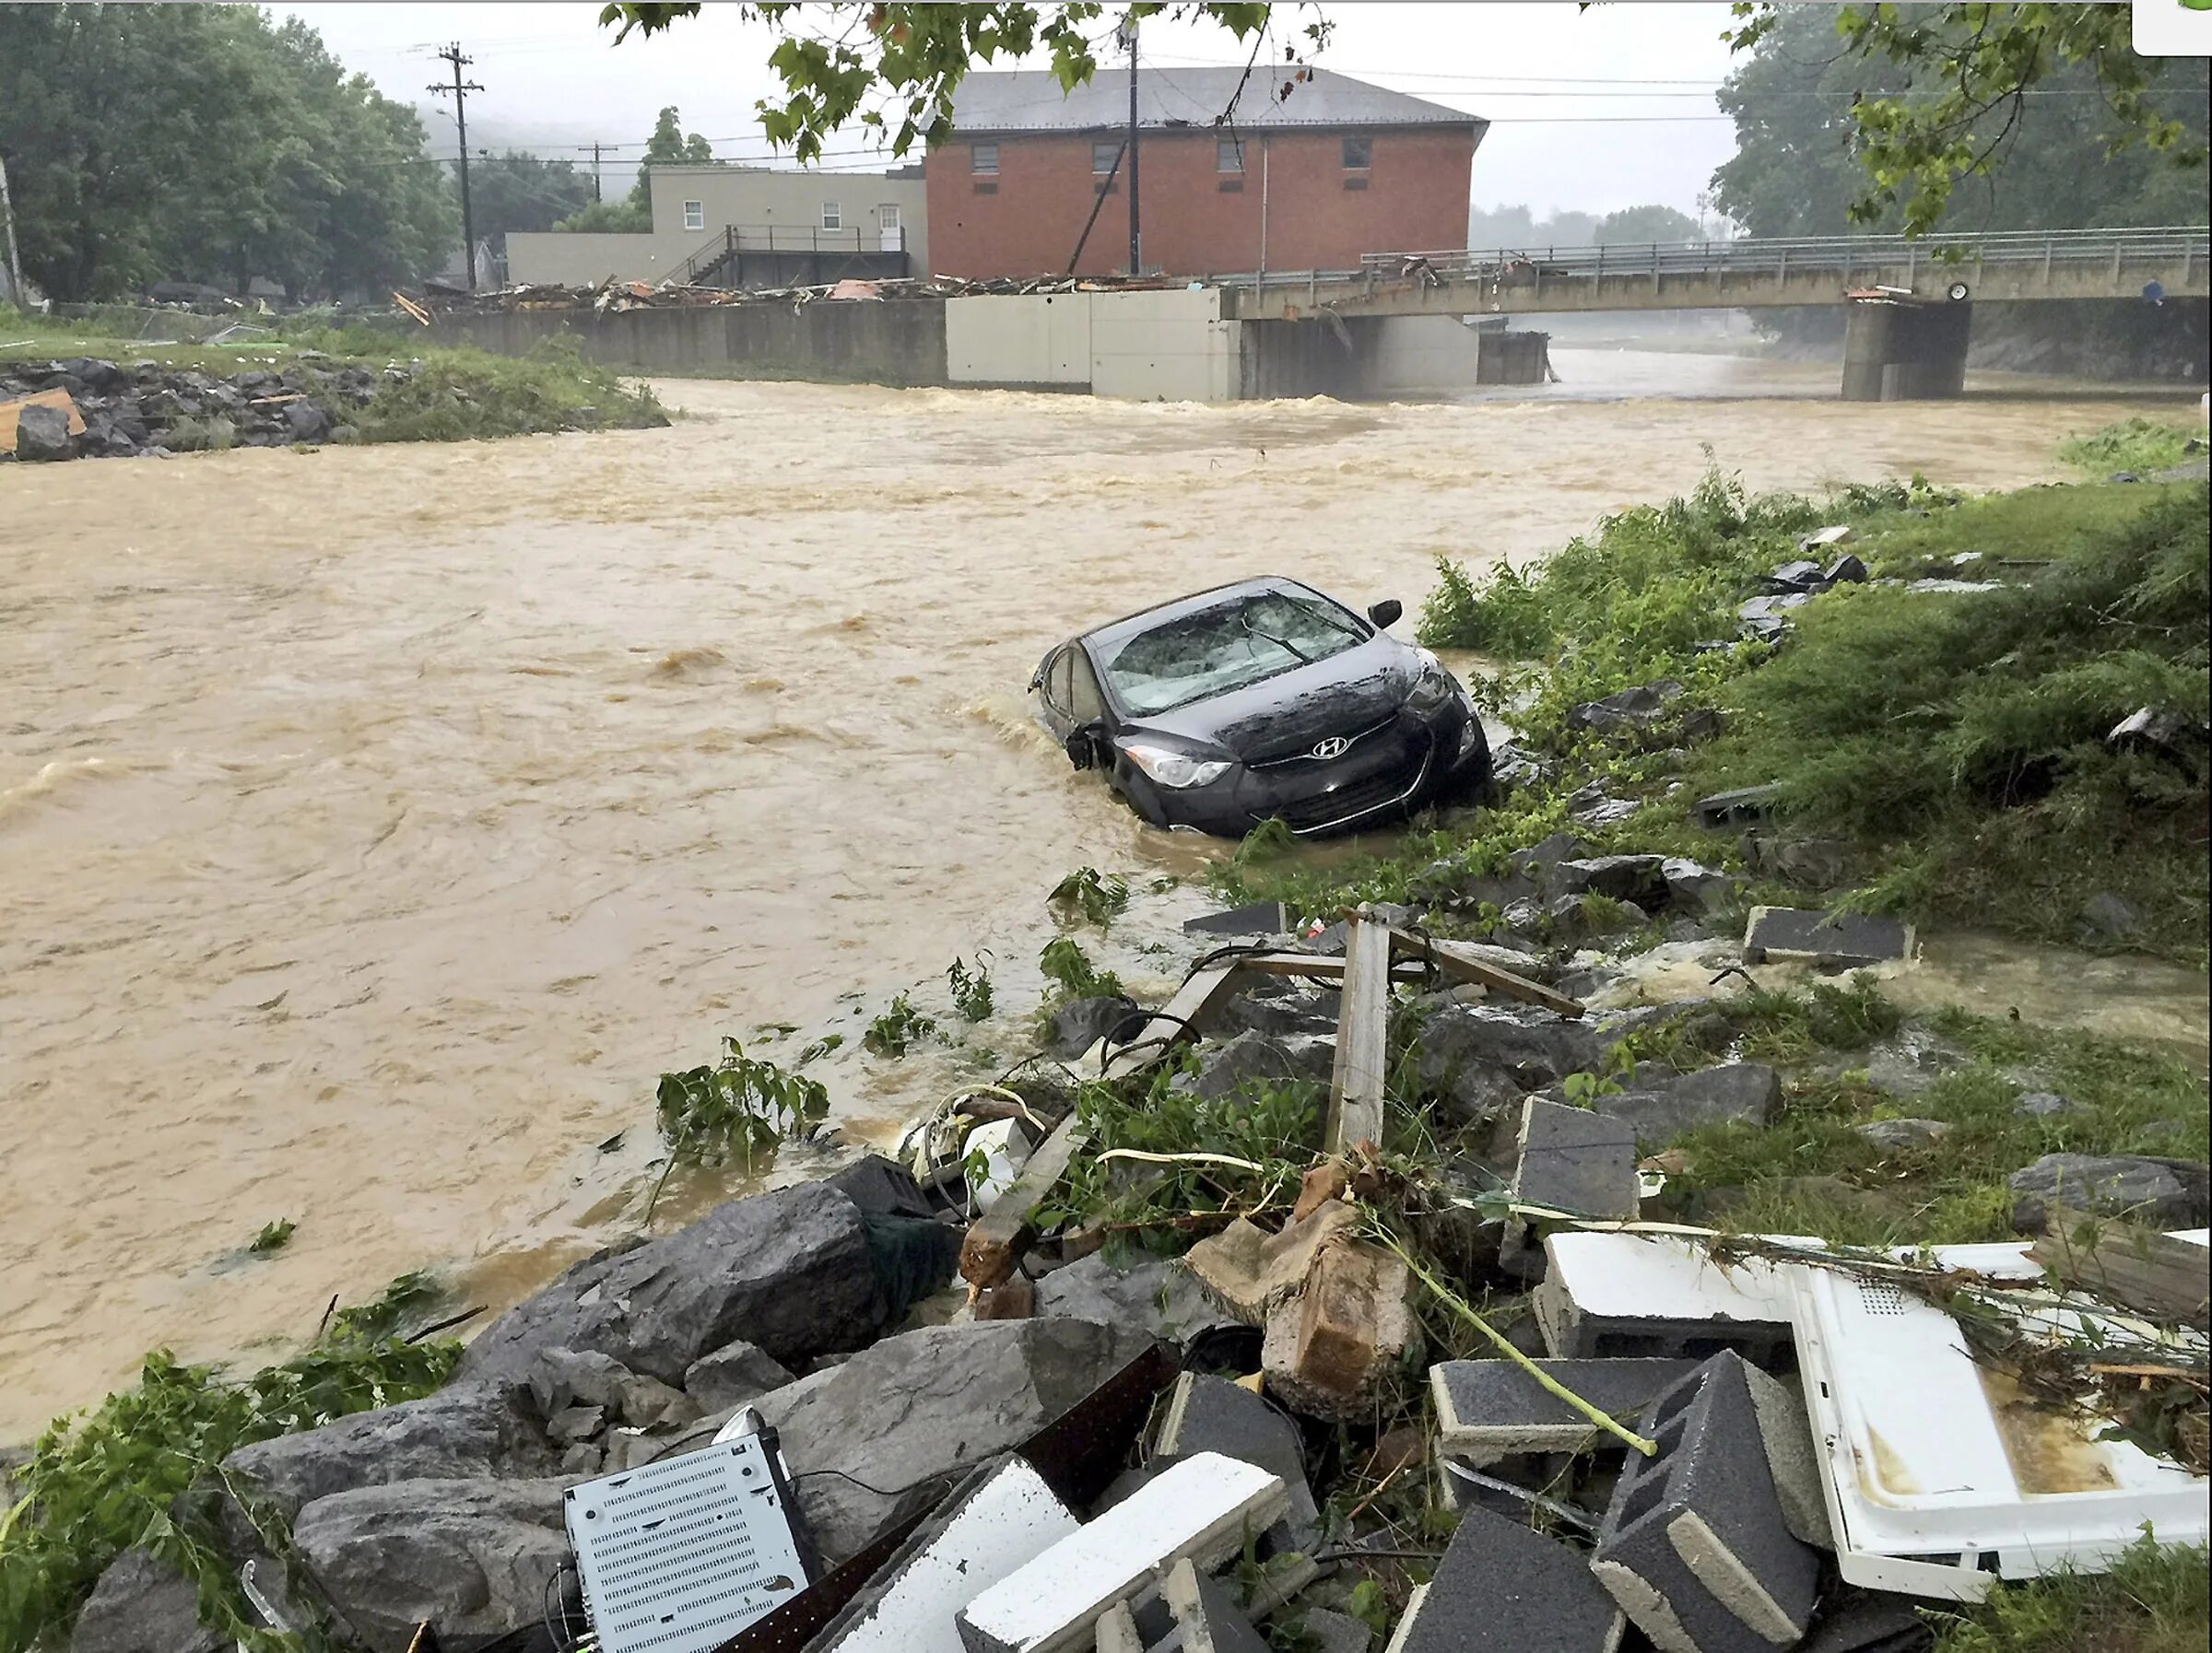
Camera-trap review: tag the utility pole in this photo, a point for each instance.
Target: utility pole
(596, 148)
(15, 259)
(461, 89)
(1137, 235)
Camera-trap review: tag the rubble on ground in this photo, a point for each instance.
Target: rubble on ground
(142, 409)
(614, 296)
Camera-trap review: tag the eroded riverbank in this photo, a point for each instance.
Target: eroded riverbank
(375, 824)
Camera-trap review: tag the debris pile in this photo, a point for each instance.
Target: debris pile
(84, 408)
(613, 295)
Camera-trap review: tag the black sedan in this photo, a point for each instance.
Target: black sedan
(1259, 701)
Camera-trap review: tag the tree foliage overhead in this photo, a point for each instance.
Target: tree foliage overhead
(208, 142)
(1885, 115)
(872, 64)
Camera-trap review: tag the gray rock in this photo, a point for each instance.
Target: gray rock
(1512, 765)
(1526, 916)
(1081, 1023)
(1331, 1632)
(1274, 1006)
(472, 1557)
(908, 1413)
(1158, 1297)
(1696, 888)
(1911, 1063)
(2107, 917)
(2156, 1192)
(1903, 1134)
(1745, 803)
(789, 1271)
(464, 1432)
(732, 1375)
(882, 1187)
(142, 1605)
(1539, 858)
(42, 433)
(574, 1424)
(2046, 1105)
(306, 421)
(1623, 877)
(1661, 1106)
(1479, 1059)
(1255, 1058)
(1819, 863)
(1629, 708)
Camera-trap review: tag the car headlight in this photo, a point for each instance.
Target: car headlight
(1170, 767)
(1434, 687)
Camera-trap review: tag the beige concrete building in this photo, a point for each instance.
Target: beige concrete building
(727, 226)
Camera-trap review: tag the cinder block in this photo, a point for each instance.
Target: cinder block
(1621, 1295)
(998, 1519)
(1117, 1631)
(1787, 1428)
(1490, 1409)
(1207, 1616)
(1501, 1588)
(1212, 1415)
(1202, 1509)
(1574, 1160)
(1694, 1547)
(1828, 938)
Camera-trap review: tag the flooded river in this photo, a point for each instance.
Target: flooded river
(375, 824)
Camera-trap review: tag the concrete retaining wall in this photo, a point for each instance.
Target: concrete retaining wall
(900, 343)
(1164, 347)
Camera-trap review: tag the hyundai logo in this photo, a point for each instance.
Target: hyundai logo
(1334, 747)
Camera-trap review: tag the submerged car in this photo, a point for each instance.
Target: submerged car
(1262, 700)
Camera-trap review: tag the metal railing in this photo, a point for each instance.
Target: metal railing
(1777, 257)
(733, 238)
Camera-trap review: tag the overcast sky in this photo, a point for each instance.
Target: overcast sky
(1592, 109)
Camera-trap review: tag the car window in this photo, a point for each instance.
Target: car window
(1056, 686)
(1229, 645)
(1085, 704)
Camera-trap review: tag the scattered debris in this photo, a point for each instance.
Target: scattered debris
(1619, 1294)
(1501, 1588)
(1824, 938)
(1486, 1409)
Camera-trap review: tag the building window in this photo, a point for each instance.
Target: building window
(1103, 157)
(983, 159)
(1228, 155)
(695, 215)
(833, 216)
(1359, 154)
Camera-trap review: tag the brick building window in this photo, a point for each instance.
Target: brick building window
(1228, 155)
(695, 215)
(833, 216)
(983, 159)
(1359, 154)
(1104, 156)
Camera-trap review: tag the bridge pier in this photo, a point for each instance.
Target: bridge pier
(1905, 350)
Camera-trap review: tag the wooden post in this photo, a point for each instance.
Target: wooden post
(1362, 1041)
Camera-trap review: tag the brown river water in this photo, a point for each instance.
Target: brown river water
(376, 823)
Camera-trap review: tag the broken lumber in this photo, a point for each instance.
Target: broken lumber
(1362, 1041)
(1452, 961)
(2135, 1267)
(1175, 1021)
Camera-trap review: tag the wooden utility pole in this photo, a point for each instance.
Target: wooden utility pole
(1137, 235)
(461, 89)
(596, 148)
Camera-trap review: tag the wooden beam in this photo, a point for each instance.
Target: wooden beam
(1362, 1040)
(1455, 964)
(1172, 1022)
(2135, 1267)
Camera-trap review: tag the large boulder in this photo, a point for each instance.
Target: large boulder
(475, 1558)
(789, 1271)
(42, 432)
(142, 1605)
(1275, 1005)
(1640, 878)
(1255, 1058)
(2154, 1192)
(1533, 1048)
(1661, 1106)
(732, 1375)
(908, 1414)
(464, 1432)
(1082, 1023)
(1627, 708)
(1160, 1298)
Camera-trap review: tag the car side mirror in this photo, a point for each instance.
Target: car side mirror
(1386, 613)
(1082, 746)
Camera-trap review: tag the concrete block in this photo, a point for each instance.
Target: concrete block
(1792, 933)
(1117, 1631)
(1246, 1269)
(1574, 1160)
(1621, 1295)
(1491, 1409)
(1202, 1509)
(1262, 918)
(1212, 1415)
(1501, 1588)
(1786, 1430)
(1694, 1546)
(1329, 1632)
(1871, 1625)
(999, 1518)
(1207, 1616)
(1326, 1348)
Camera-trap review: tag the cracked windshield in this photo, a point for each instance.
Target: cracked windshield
(979, 827)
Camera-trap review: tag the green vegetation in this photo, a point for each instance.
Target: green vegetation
(274, 1237)
(2140, 445)
(1088, 897)
(739, 1108)
(890, 1033)
(98, 1484)
(2154, 1601)
(1069, 969)
(460, 395)
(971, 991)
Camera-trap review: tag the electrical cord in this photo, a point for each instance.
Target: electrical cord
(898, 1492)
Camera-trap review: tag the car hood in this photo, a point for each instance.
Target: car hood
(1284, 715)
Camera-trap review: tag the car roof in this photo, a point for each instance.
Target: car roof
(1146, 619)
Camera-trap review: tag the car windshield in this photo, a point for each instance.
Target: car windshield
(1230, 645)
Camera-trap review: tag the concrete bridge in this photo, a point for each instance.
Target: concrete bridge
(1911, 301)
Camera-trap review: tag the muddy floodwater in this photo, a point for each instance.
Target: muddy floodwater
(376, 823)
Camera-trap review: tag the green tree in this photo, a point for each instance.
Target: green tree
(1941, 94)
(610, 217)
(1647, 224)
(519, 191)
(669, 146)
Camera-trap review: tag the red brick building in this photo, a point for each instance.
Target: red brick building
(1314, 180)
